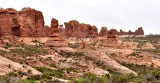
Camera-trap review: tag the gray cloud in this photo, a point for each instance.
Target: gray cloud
(119, 14)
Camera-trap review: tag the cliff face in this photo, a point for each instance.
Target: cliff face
(27, 22)
(31, 22)
(8, 20)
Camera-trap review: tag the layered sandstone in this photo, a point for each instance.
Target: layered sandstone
(55, 39)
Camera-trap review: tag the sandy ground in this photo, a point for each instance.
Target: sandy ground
(28, 40)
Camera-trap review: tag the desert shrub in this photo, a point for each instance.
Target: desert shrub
(29, 71)
(68, 70)
(35, 41)
(52, 65)
(134, 54)
(6, 46)
(47, 72)
(153, 51)
(27, 50)
(71, 54)
(34, 77)
(152, 76)
(100, 64)
(7, 78)
(122, 78)
(94, 44)
(26, 81)
(80, 80)
(73, 45)
(147, 75)
(47, 75)
(91, 78)
(4, 79)
(2, 52)
(87, 58)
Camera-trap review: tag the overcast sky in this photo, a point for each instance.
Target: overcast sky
(118, 14)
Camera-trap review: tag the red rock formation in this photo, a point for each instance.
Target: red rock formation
(122, 32)
(112, 33)
(27, 22)
(54, 28)
(54, 23)
(61, 30)
(7, 20)
(72, 28)
(103, 31)
(75, 29)
(32, 22)
(94, 31)
(130, 33)
(56, 39)
(47, 30)
(139, 31)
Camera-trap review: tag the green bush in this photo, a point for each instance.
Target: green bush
(27, 50)
(91, 78)
(71, 54)
(47, 72)
(6, 46)
(147, 75)
(26, 81)
(75, 45)
(53, 65)
(123, 78)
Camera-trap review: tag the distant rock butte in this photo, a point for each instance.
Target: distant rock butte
(139, 31)
(30, 23)
(75, 29)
